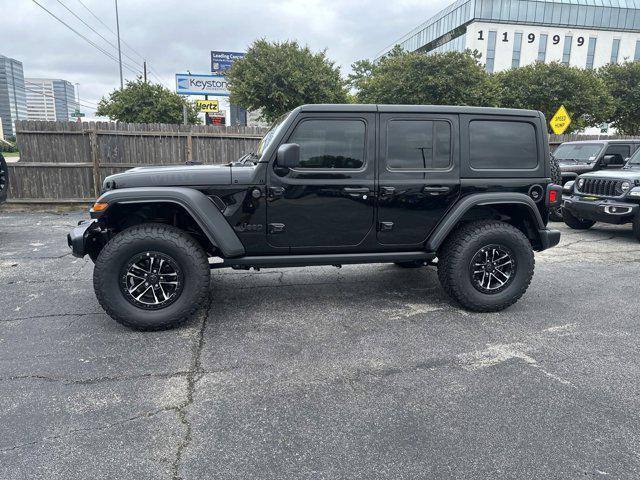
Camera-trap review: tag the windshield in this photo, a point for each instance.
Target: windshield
(580, 152)
(269, 136)
(634, 161)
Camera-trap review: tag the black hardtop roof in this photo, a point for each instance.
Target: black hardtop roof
(416, 109)
(603, 141)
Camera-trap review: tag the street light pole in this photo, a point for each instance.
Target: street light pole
(119, 50)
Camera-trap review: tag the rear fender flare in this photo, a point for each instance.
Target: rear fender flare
(198, 205)
(455, 215)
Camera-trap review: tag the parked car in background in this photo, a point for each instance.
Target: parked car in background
(604, 196)
(4, 179)
(575, 158)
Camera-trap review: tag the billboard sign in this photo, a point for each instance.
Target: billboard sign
(208, 106)
(192, 84)
(222, 61)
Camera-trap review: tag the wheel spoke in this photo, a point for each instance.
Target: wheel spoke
(152, 280)
(142, 294)
(136, 287)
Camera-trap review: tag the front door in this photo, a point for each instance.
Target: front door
(328, 199)
(419, 176)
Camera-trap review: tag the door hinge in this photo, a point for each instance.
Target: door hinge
(275, 227)
(385, 226)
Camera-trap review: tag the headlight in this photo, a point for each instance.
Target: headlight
(581, 183)
(625, 186)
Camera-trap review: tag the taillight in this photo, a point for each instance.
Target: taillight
(553, 196)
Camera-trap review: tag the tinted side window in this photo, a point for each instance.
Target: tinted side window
(330, 143)
(418, 144)
(502, 145)
(624, 151)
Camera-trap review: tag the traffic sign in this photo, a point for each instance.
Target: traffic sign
(208, 106)
(560, 121)
(77, 114)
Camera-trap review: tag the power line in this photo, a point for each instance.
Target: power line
(126, 65)
(113, 45)
(142, 57)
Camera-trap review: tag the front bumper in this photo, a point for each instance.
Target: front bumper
(549, 238)
(600, 210)
(82, 238)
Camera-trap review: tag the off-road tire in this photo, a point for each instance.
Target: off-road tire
(576, 223)
(555, 213)
(636, 227)
(457, 253)
(166, 240)
(4, 179)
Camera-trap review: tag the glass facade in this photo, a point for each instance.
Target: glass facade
(542, 48)
(591, 52)
(636, 55)
(614, 15)
(13, 101)
(491, 50)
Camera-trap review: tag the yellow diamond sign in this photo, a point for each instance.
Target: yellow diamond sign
(560, 121)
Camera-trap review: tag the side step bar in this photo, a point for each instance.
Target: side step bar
(330, 259)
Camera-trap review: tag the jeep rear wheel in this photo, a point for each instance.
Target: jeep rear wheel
(486, 266)
(151, 277)
(576, 223)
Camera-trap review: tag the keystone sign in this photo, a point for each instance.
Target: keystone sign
(192, 84)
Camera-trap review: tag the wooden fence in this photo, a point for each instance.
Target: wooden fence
(66, 162)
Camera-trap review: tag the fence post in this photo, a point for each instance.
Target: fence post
(189, 147)
(95, 160)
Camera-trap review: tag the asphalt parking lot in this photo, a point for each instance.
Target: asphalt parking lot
(363, 372)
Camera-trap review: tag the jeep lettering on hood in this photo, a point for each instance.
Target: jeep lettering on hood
(178, 176)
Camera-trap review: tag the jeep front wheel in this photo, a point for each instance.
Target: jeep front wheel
(576, 223)
(151, 277)
(486, 266)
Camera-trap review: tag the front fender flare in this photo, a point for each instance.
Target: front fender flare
(480, 199)
(198, 205)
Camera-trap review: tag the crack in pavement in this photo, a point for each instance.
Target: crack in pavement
(194, 374)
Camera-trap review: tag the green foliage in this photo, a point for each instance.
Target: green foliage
(546, 86)
(623, 83)
(140, 102)
(277, 77)
(451, 78)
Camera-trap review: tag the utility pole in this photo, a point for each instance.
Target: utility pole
(119, 49)
(144, 69)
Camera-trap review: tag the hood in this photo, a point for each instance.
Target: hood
(575, 167)
(632, 174)
(174, 176)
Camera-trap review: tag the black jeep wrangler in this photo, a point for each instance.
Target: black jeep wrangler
(605, 196)
(333, 185)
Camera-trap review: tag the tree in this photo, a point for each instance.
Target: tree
(546, 86)
(277, 77)
(141, 102)
(400, 77)
(623, 84)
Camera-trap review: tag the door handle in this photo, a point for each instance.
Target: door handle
(387, 191)
(436, 190)
(275, 192)
(355, 191)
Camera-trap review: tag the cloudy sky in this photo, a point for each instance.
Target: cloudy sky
(177, 35)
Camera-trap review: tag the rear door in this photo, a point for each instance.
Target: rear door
(418, 175)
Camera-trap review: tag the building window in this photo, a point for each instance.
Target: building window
(591, 51)
(491, 50)
(517, 47)
(542, 48)
(636, 56)
(615, 49)
(566, 54)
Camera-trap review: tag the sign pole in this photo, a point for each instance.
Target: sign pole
(206, 114)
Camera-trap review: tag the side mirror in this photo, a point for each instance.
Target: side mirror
(288, 155)
(608, 160)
